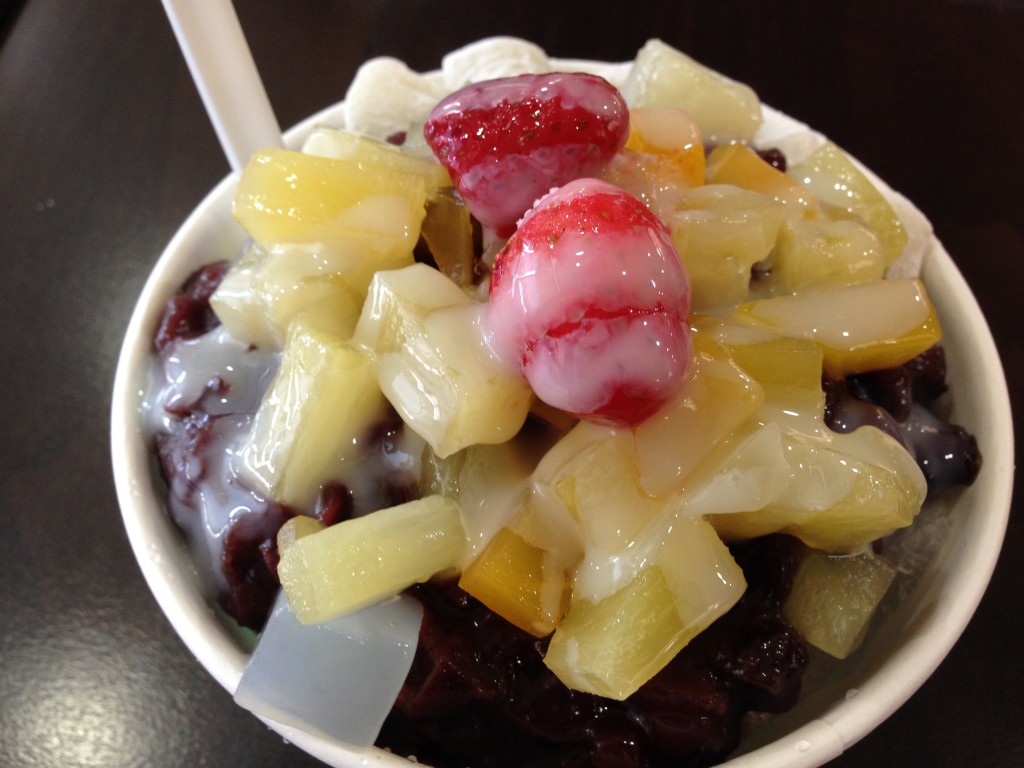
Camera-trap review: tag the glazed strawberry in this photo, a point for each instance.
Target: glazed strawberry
(508, 141)
(590, 300)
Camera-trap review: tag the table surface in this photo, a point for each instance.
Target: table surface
(105, 148)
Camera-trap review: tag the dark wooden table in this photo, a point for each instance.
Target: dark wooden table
(105, 148)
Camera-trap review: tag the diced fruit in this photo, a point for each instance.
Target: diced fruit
(488, 481)
(744, 474)
(835, 180)
(507, 141)
(322, 227)
(664, 77)
(671, 134)
(716, 398)
(740, 166)
(594, 472)
(833, 599)
(520, 582)
(822, 253)
(433, 363)
(291, 197)
(704, 579)
(448, 232)
(842, 493)
(374, 153)
(864, 327)
(614, 646)
(590, 300)
(294, 529)
(361, 561)
(721, 231)
(267, 290)
(312, 420)
(789, 371)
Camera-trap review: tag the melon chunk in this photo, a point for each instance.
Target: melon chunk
(268, 289)
(821, 253)
(291, 197)
(338, 144)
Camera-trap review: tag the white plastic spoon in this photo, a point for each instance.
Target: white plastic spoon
(222, 66)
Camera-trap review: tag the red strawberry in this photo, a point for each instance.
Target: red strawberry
(590, 300)
(506, 142)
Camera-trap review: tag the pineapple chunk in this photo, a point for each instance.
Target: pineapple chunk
(267, 290)
(290, 197)
(664, 77)
(821, 253)
(294, 529)
(322, 228)
(312, 419)
(864, 327)
(742, 167)
(833, 599)
(835, 180)
(715, 399)
(721, 231)
(337, 144)
(613, 646)
(435, 366)
(367, 559)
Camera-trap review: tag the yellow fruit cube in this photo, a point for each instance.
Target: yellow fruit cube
(715, 399)
(267, 290)
(721, 232)
(833, 599)
(338, 144)
(789, 370)
(613, 646)
(311, 422)
(835, 180)
(291, 197)
(842, 493)
(520, 582)
(821, 253)
(741, 166)
(361, 561)
(434, 364)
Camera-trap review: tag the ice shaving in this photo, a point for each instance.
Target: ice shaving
(557, 413)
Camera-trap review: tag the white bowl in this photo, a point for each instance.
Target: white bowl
(841, 703)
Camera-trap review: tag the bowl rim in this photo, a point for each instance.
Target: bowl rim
(171, 577)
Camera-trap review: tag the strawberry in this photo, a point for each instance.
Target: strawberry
(590, 300)
(506, 142)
